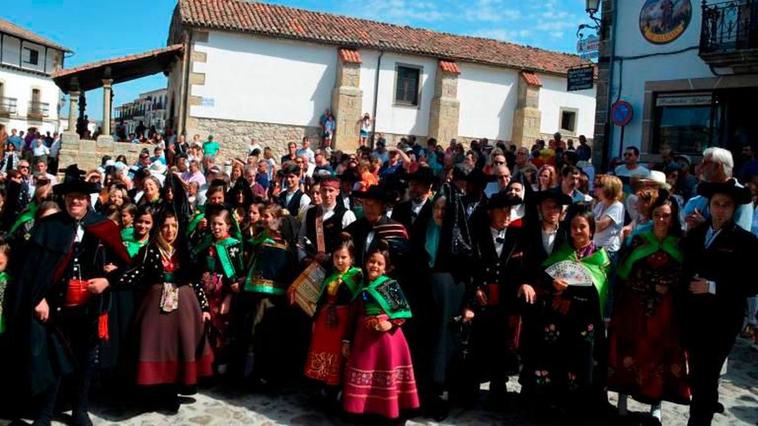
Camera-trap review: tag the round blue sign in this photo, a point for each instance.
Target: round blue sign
(621, 113)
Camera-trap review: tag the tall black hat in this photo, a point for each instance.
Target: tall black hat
(73, 181)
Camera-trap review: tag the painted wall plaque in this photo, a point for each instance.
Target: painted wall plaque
(663, 21)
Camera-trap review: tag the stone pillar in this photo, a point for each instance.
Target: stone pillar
(527, 117)
(73, 110)
(107, 87)
(444, 115)
(347, 100)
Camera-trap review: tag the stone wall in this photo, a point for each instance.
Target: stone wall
(87, 154)
(234, 136)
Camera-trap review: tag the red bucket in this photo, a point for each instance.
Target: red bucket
(77, 293)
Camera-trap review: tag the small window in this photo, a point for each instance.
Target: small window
(568, 121)
(31, 56)
(407, 85)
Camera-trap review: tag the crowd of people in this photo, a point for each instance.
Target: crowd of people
(395, 279)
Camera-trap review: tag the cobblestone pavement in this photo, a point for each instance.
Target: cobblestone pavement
(220, 406)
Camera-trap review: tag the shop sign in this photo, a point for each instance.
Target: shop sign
(588, 48)
(582, 78)
(684, 100)
(663, 21)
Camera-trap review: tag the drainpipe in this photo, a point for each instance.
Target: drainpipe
(376, 97)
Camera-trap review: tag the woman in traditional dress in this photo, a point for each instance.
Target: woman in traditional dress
(379, 378)
(139, 235)
(173, 351)
(220, 261)
(260, 313)
(325, 362)
(568, 361)
(646, 359)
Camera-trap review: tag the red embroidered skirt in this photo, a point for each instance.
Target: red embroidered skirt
(172, 346)
(325, 361)
(379, 376)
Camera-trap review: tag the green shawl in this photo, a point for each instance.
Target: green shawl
(670, 245)
(596, 264)
(132, 246)
(386, 296)
(29, 213)
(348, 278)
(222, 251)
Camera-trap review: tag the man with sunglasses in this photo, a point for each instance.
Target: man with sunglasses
(631, 168)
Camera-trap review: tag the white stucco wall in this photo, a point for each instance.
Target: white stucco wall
(553, 97)
(18, 84)
(630, 42)
(392, 118)
(11, 55)
(265, 80)
(488, 97)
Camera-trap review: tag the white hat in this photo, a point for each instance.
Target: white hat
(659, 178)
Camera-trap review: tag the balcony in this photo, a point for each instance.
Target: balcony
(7, 107)
(729, 36)
(38, 110)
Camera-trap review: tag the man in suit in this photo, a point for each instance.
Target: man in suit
(418, 206)
(718, 258)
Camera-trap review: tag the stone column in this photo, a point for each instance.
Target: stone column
(347, 100)
(107, 87)
(527, 117)
(73, 110)
(444, 115)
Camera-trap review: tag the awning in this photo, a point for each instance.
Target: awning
(125, 68)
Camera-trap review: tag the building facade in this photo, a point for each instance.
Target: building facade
(149, 109)
(688, 70)
(28, 97)
(246, 77)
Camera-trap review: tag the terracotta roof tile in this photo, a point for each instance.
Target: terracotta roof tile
(450, 66)
(13, 29)
(350, 56)
(291, 23)
(121, 59)
(531, 78)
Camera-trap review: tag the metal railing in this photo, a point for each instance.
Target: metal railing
(729, 26)
(8, 106)
(38, 110)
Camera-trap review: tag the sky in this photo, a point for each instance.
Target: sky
(101, 29)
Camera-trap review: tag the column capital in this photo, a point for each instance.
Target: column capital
(107, 83)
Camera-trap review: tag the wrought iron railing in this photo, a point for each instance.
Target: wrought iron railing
(729, 26)
(8, 106)
(38, 109)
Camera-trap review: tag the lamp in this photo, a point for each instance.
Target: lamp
(592, 6)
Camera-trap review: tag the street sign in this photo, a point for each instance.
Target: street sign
(588, 46)
(582, 78)
(621, 113)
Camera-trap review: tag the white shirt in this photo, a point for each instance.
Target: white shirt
(610, 237)
(416, 209)
(498, 234)
(305, 201)
(623, 171)
(40, 150)
(548, 240)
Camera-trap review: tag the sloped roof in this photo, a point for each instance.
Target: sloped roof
(299, 24)
(13, 29)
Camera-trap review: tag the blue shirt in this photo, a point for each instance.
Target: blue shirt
(16, 141)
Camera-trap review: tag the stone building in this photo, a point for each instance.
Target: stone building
(28, 97)
(149, 108)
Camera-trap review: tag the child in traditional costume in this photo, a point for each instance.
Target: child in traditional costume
(325, 362)
(379, 378)
(221, 265)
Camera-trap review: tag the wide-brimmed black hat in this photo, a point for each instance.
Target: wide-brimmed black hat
(349, 175)
(423, 174)
(375, 192)
(551, 194)
(739, 194)
(73, 182)
(503, 199)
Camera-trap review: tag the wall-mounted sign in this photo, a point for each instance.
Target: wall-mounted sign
(582, 78)
(588, 48)
(208, 102)
(693, 99)
(663, 21)
(621, 113)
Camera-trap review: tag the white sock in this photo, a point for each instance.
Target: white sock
(655, 410)
(622, 403)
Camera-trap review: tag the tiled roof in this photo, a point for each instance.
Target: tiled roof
(350, 56)
(291, 23)
(13, 29)
(531, 78)
(450, 66)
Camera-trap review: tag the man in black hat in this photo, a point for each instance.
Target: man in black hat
(497, 275)
(293, 198)
(323, 224)
(718, 277)
(58, 315)
(348, 178)
(418, 205)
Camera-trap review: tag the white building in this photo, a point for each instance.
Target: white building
(149, 109)
(28, 97)
(688, 70)
(269, 72)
